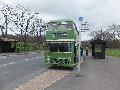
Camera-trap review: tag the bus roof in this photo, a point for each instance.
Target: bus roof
(61, 20)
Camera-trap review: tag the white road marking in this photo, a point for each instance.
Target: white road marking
(101, 67)
(11, 63)
(3, 57)
(37, 57)
(33, 58)
(4, 64)
(26, 59)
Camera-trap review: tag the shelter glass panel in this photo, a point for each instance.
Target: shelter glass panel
(98, 47)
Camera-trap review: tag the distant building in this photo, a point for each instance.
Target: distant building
(7, 45)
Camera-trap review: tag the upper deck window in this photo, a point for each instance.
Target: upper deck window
(53, 26)
(65, 25)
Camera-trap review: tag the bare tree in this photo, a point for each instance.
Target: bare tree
(104, 35)
(23, 22)
(114, 29)
(7, 12)
(22, 19)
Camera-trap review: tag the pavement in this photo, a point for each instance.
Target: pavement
(16, 69)
(96, 74)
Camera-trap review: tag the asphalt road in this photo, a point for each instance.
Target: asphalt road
(96, 74)
(17, 69)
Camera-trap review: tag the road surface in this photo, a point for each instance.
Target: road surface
(17, 69)
(96, 74)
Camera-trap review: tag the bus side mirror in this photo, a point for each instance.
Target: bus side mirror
(76, 28)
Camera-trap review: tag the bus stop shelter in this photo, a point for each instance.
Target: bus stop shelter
(98, 49)
(7, 45)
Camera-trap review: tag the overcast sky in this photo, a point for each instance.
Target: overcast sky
(98, 13)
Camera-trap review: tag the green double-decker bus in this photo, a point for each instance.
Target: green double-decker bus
(61, 40)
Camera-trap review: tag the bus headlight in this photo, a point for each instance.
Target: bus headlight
(69, 58)
(48, 58)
